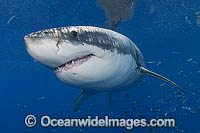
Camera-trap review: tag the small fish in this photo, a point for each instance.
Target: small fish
(180, 72)
(151, 62)
(187, 20)
(41, 98)
(162, 84)
(10, 19)
(175, 52)
(166, 114)
(189, 60)
(159, 63)
(195, 62)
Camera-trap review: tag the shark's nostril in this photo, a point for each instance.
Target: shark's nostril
(25, 41)
(25, 37)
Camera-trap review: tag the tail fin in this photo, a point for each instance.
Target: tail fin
(148, 72)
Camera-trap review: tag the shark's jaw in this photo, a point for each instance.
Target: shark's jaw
(73, 63)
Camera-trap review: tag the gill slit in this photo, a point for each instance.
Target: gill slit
(58, 41)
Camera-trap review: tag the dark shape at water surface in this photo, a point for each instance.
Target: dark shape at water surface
(117, 11)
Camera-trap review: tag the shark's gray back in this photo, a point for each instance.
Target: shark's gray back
(103, 38)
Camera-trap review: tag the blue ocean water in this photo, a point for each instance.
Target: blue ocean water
(167, 32)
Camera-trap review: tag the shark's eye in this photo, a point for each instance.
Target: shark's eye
(74, 33)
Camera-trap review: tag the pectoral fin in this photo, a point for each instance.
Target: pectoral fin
(84, 95)
(148, 72)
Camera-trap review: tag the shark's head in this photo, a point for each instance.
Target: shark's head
(81, 55)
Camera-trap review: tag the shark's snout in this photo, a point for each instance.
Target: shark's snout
(43, 49)
(27, 41)
(31, 39)
(25, 44)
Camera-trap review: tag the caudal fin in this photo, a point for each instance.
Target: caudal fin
(148, 72)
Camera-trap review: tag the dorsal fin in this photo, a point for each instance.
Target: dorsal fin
(148, 72)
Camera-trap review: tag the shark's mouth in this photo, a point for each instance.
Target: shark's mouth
(73, 63)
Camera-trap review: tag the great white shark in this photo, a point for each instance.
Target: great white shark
(90, 58)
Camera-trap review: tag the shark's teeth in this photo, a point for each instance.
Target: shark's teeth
(75, 62)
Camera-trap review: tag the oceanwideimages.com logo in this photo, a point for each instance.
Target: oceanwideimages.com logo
(47, 121)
